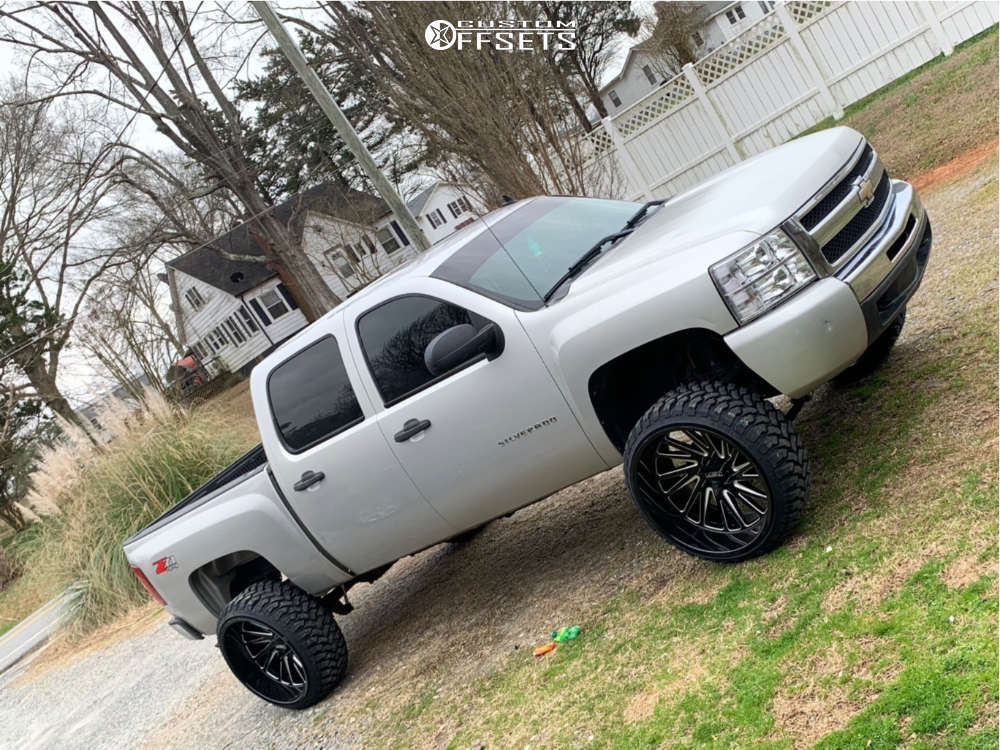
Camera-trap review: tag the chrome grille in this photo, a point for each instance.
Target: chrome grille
(857, 227)
(840, 191)
(837, 218)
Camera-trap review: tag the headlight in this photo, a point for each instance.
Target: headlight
(758, 277)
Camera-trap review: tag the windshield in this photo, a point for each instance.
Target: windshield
(523, 255)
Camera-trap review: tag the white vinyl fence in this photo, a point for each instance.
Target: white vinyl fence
(799, 64)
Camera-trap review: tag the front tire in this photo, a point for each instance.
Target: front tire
(282, 644)
(717, 471)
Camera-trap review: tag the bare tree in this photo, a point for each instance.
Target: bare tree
(55, 179)
(136, 45)
(599, 27)
(127, 333)
(670, 35)
(503, 113)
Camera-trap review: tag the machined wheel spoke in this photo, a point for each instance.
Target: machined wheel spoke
(710, 488)
(746, 490)
(691, 465)
(750, 503)
(692, 479)
(729, 502)
(690, 447)
(699, 439)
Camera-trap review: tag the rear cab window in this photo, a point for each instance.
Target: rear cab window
(311, 397)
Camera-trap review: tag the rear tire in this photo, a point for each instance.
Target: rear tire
(717, 471)
(282, 644)
(875, 355)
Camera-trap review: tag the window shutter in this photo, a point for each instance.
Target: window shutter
(288, 297)
(255, 305)
(399, 231)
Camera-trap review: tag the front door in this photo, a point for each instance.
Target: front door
(484, 438)
(331, 460)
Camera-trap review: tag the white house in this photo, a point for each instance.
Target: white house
(643, 71)
(229, 313)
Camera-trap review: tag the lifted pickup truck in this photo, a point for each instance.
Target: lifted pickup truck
(547, 342)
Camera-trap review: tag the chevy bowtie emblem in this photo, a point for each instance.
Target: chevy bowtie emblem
(866, 192)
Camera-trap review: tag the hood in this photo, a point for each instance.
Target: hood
(718, 216)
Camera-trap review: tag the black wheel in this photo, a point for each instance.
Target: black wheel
(282, 644)
(717, 471)
(875, 355)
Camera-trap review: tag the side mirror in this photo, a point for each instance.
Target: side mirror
(459, 344)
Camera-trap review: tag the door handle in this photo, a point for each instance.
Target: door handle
(309, 478)
(412, 427)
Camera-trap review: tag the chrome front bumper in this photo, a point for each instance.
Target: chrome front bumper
(825, 328)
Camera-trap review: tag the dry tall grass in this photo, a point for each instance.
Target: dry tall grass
(158, 455)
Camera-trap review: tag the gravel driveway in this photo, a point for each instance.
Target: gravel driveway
(440, 619)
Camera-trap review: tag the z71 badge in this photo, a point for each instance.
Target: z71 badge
(164, 564)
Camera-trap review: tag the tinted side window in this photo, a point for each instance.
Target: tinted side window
(395, 335)
(311, 396)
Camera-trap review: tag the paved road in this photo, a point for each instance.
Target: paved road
(35, 629)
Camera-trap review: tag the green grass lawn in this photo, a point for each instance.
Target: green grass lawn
(934, 113)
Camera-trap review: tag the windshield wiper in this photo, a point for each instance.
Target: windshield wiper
(585, 259)
(588, 256)
(641, 213)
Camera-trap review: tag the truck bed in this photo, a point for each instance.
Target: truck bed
(249, 463)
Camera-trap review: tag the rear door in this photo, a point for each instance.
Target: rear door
(330, 458)
(499, 433)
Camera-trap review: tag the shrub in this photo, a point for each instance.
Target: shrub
(10, 569)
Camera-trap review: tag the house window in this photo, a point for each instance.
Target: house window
(273, 304)
(767, 7)
(613, 96)
(347, 250)
(338, 260)
(458, 207)
(194, 298)
(199, 350)
(387, 240)
(248, 321)
(234, 331)
(216, 339)
(650, 76)
(436, 214)
(697, 39)
(220, 333)
(735, 14)
(399, 233)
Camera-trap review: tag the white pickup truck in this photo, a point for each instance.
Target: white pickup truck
(547, 342)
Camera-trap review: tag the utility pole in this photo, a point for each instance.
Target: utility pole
(344, 128)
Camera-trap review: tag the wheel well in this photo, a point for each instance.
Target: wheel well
(622, 389)
(218, 582)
